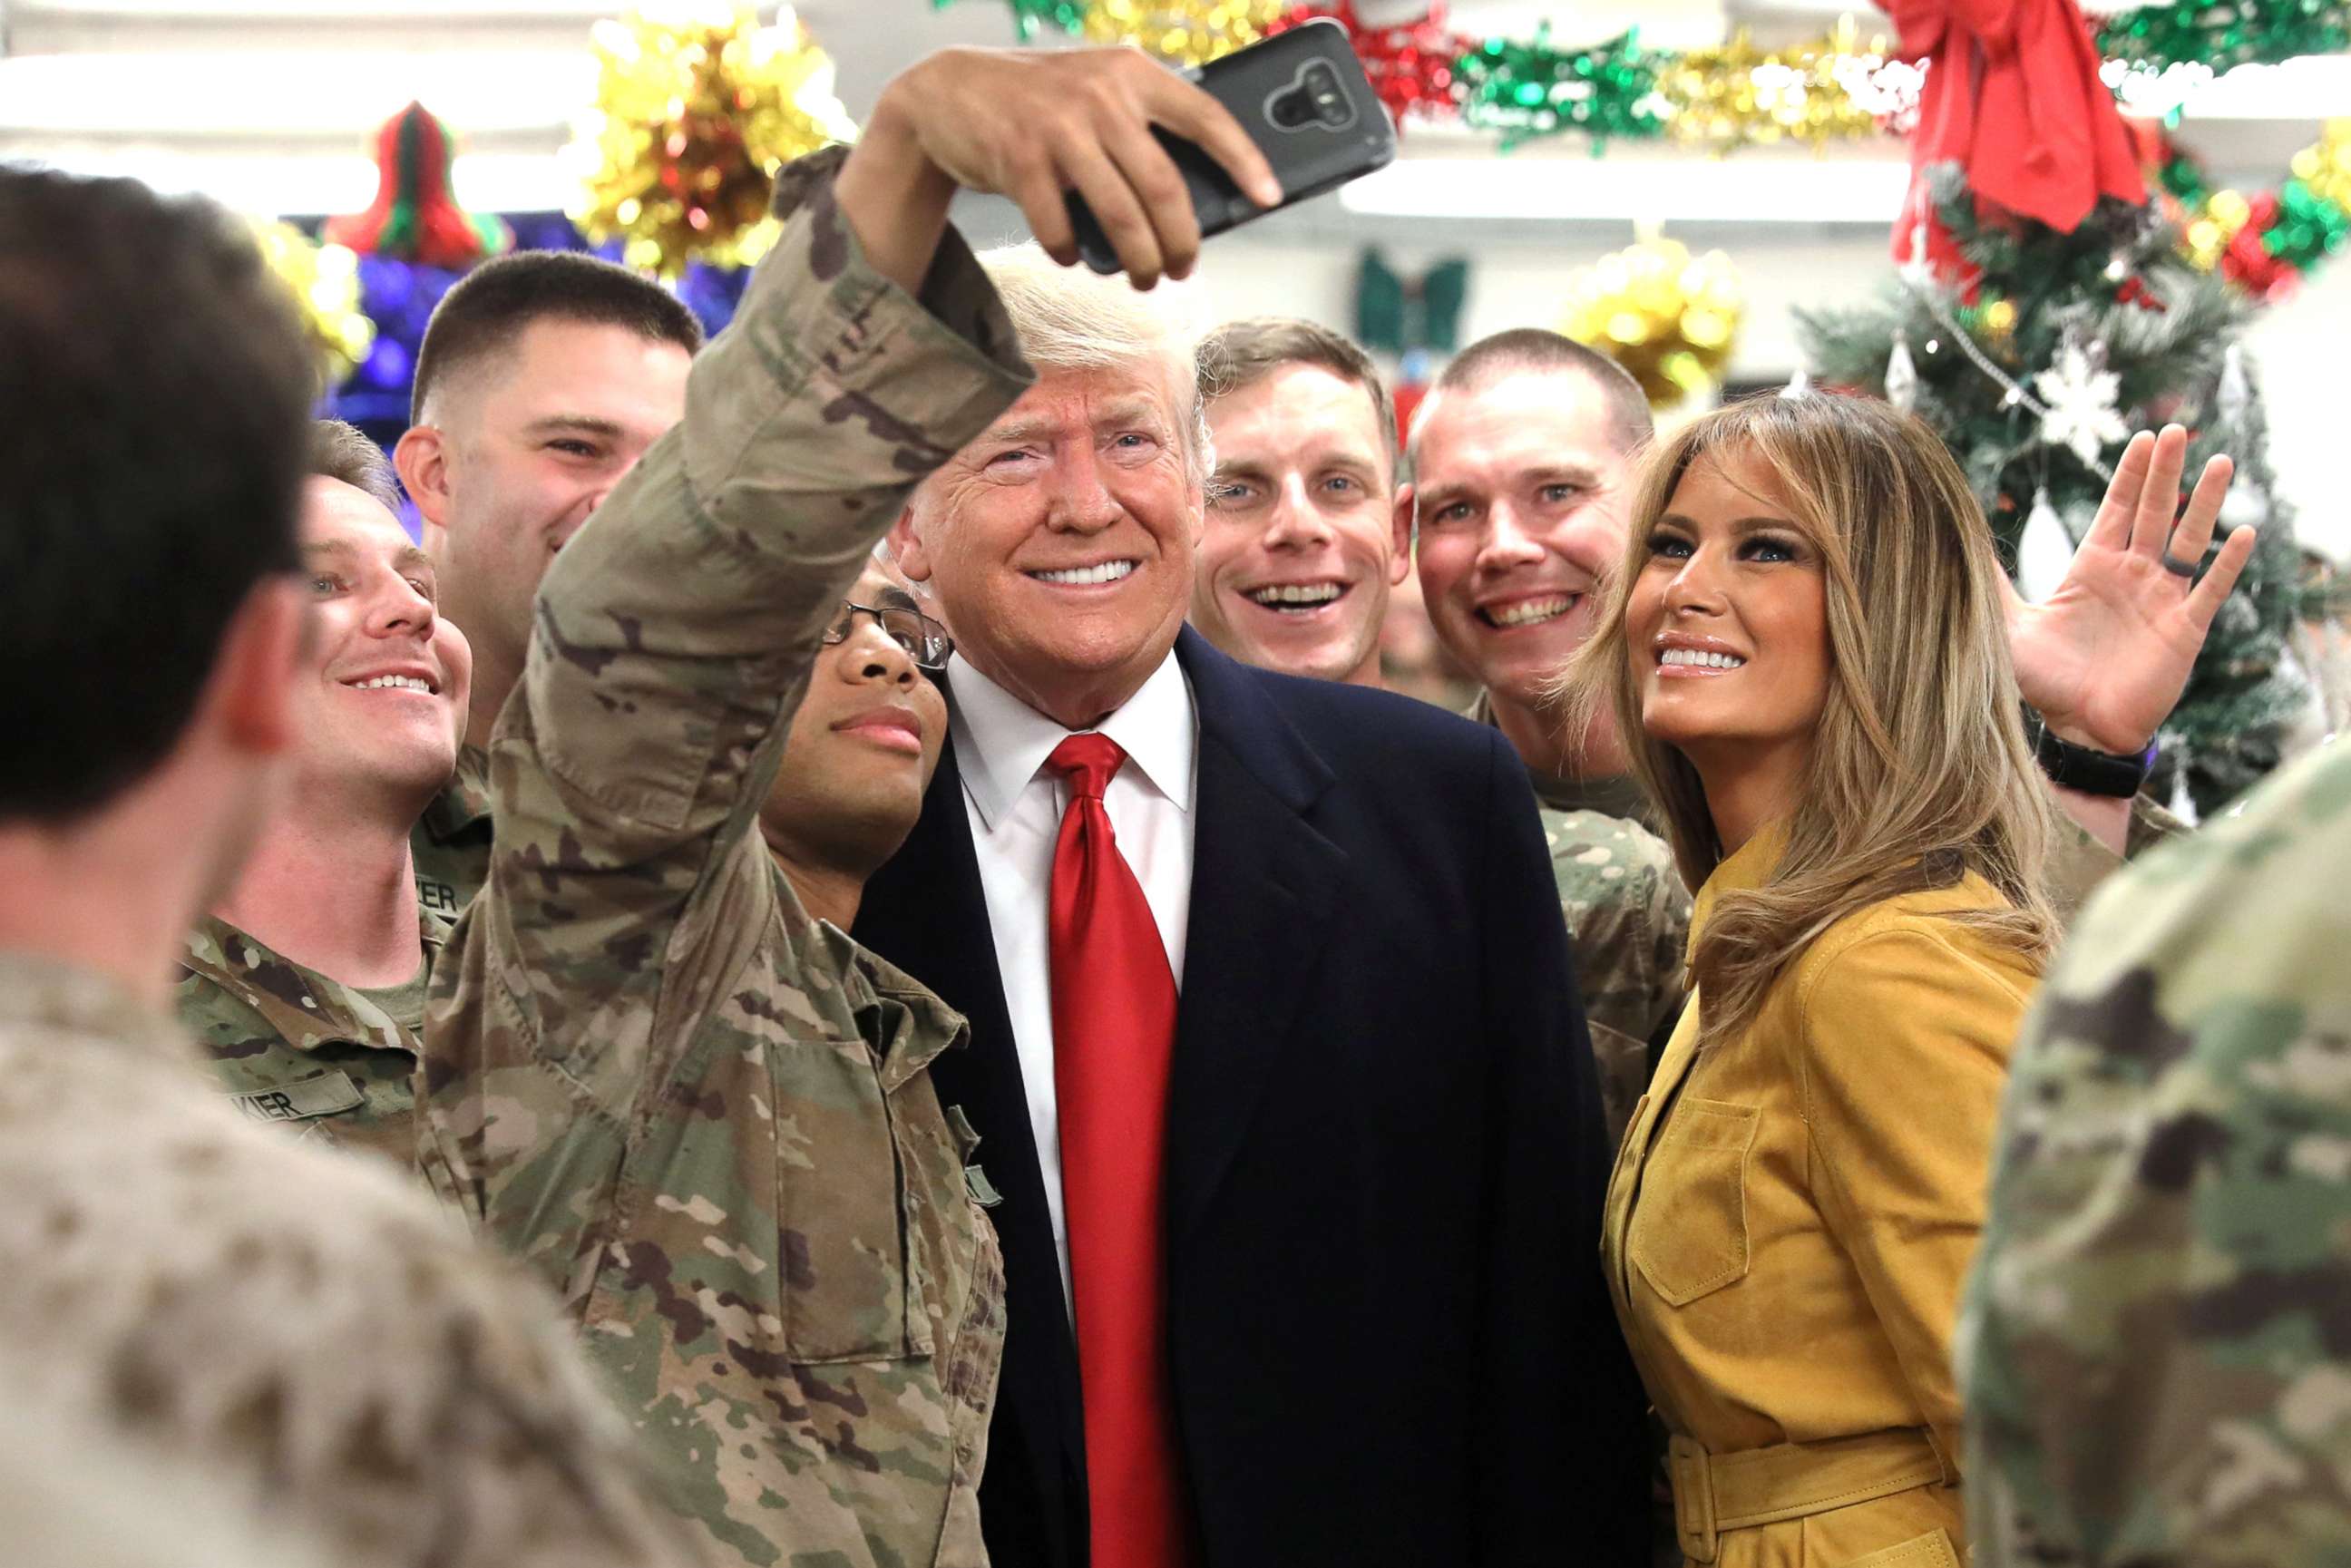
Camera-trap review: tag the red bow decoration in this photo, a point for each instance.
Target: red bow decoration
(2012, 96)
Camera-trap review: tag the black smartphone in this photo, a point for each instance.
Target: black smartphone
(1303, 98)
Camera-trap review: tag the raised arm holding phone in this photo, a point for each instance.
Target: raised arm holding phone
(698, 1110)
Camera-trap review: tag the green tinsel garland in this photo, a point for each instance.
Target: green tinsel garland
(2226, 35)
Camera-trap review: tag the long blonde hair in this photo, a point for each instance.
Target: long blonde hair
(1919, 771)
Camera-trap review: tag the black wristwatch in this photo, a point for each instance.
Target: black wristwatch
(2083, 768)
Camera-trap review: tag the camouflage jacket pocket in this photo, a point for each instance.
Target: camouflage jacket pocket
(849, 1291)
(1688, 1231)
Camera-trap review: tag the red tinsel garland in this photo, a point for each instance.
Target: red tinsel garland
(1410, 66)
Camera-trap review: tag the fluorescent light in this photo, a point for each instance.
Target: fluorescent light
(296, 93)
(1638, 189)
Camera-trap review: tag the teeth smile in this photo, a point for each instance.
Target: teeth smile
(403, 683)
(1108, 571)
(1304, 596)
(1700, 659)
(1528, 611)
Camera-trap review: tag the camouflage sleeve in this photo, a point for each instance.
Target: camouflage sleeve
(674, 637)
(2079, 864)
(1627, 918)
(2156, 1349)
(1904, 1045)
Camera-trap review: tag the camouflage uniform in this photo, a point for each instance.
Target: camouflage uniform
(2079, 863)
(2156, 1349)
(331, 1060)
(451, 842)
(1627, 920)
(305, 1328)
(656, 1076)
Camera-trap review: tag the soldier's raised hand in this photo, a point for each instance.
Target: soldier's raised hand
(1035, 125)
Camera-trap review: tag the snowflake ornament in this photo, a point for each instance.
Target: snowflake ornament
(2079, 396)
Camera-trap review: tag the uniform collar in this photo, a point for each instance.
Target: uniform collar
(464, 800)
(1744, 871)
(1001, 741)
(306, 1007)
(904, 1021)
(42, 995)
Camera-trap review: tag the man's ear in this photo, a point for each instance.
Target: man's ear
(422, 458)
(906, 549)
(1401, 522)
(254, 686)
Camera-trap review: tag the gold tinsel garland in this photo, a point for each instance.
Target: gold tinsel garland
(325, 282)
(696, 107)
(1667, 316)
(1741, 96)
(1185, 32)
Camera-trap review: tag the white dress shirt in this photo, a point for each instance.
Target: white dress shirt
(1015, 803)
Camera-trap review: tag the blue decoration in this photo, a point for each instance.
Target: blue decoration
(398, 297)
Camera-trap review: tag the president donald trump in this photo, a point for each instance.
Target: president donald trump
(1275, 1058)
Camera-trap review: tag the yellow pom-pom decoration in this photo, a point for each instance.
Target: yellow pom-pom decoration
(1670, 318)
(1737, 95)
(325, 282)
(2208, 234)
(2325, 167)
(696, 107)
(1183, 32)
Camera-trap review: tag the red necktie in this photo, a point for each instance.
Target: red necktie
(1113, 1031)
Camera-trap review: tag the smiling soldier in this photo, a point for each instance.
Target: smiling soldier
(306, 984)
(1300, 549)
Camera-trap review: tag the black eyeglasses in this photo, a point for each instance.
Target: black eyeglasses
(926, 641)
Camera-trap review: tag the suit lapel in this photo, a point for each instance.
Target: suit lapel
(1263, 882)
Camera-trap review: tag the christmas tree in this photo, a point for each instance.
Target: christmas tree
(2034, 353)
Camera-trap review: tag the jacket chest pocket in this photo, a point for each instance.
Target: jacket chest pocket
(847, 1290)
(1687, 1235)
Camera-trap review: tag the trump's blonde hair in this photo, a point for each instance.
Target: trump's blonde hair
(1919, 771)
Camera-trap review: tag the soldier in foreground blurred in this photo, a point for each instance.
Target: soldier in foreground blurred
(299, 1325)
(2156, 1350)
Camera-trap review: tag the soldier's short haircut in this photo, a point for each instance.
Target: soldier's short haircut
(490, 307)
(345, 452)
(1239, 354)
(1522, 351)
(155, 387)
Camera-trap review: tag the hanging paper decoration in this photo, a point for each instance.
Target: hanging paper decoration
(325, 282)
(414, 216)
(1738, 96)
(1667, 316)
(1529, 89)
(696, 107)
(1902, 376)
(2045, 551)
(1183, 32)
(1409, 65)
(1397, 314)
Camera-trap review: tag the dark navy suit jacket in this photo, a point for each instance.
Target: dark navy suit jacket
(1389, 1340)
